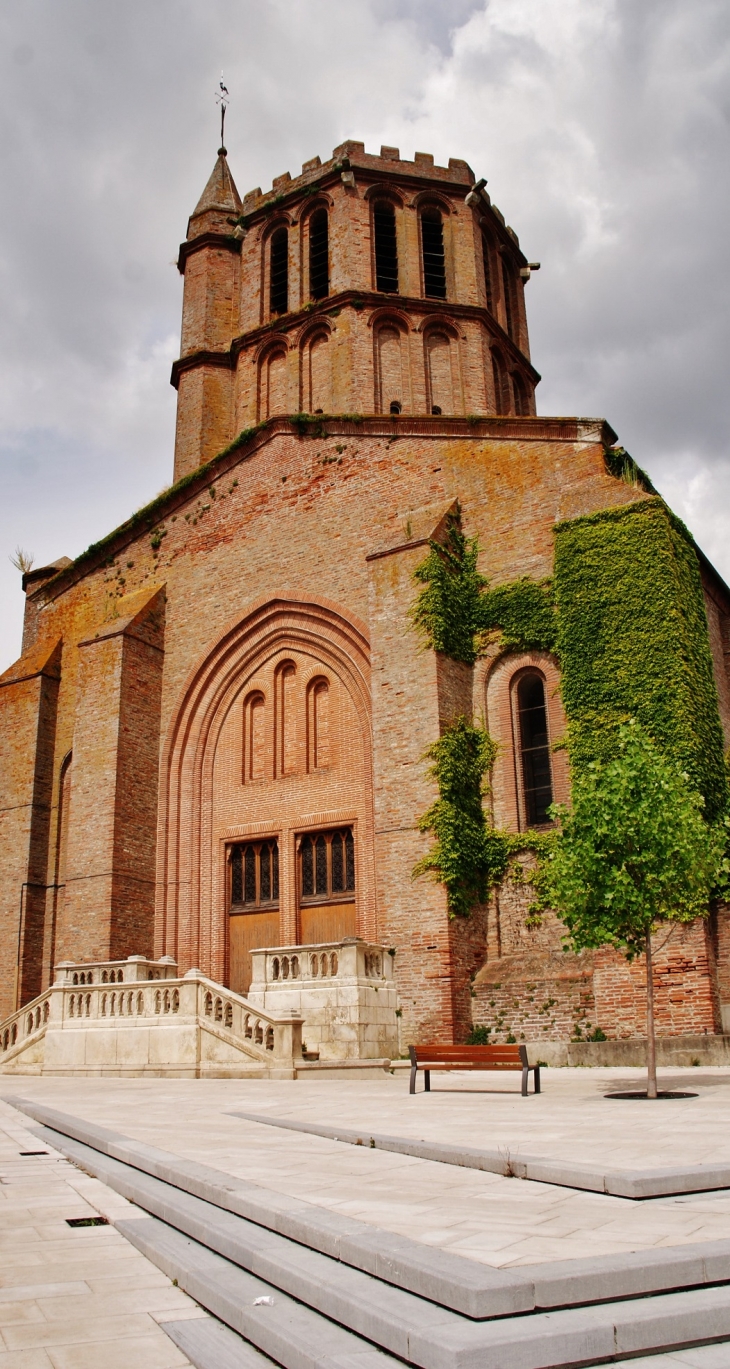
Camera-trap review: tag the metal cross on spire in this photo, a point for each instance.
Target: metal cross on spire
(222, 98)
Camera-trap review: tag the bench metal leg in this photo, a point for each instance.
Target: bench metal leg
(427, 1080)
(537, 1079)
(414, 1072)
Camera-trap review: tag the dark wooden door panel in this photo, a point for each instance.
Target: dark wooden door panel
(326, 922)
(248, 931)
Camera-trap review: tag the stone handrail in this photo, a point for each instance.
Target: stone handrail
(129, 971)
(16, 1029)
(267, 1036)
(337, 960)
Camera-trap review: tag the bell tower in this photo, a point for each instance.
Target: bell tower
(368, 284)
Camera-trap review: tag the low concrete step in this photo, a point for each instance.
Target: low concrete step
(286, 1331)
(298, 1338)
(209, 1344)
(463, 1285)
(227, 1262)
(620, 1183)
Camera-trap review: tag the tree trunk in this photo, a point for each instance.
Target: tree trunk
(650, 1038)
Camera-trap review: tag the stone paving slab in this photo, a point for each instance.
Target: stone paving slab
(636, 1183)
(486, 1217)
(78, 1298)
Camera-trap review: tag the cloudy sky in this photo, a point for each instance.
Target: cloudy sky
(601, 125)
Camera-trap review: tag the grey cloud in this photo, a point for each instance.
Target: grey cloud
(603, 129)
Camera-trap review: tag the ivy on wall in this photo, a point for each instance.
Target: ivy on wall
(625, 615)
(633, 641)
(467, 857)
(447, 610)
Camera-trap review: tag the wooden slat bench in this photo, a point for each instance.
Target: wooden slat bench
(431, 1057)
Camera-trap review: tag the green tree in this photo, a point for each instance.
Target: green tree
(633, 852)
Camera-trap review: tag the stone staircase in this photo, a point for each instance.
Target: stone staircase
(137, 1017)
(309, 1288)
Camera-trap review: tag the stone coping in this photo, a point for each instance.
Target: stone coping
(620, 1183)
(453, 1281)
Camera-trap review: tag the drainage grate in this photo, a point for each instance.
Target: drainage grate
(25, 1153)
(86, 1221)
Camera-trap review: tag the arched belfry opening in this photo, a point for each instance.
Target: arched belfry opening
(269, 775)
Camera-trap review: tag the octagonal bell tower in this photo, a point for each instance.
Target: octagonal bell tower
(368, 284)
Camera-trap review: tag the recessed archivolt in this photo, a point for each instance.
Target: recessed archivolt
(312, 628)
(305, 210)
(384, 192)
(388, 317)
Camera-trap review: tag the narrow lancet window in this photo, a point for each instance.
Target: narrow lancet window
(537, 785)
(509, 303)
(386, 249)
(319, 264)
(486, 259)
(279, 271)
(432, 246)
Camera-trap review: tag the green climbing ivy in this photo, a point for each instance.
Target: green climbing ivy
(625, 615)
(447, 610)
(633, 642)
(467, 856)
(523, 613)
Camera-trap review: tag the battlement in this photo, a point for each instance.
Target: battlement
(351, 155)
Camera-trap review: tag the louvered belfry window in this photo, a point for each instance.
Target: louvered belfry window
(254, 867)
(319, 262)
(279, 271)
(386, 248)
(327, 866)
(432, 247)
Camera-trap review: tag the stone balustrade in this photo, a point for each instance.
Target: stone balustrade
(129, 971)
(344, 991)
(145, 1024)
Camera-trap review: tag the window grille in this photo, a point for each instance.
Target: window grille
(486, 251)
(279, 271)
(327, 866)
(254, 875)
(319, 265)
(520, 394)
(432, 246)
(386, 249)
(537, 786)
(509, 301)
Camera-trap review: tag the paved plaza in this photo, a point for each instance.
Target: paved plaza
(64, 1291)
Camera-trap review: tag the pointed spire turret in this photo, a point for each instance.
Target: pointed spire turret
(220, 191)
(219, 203)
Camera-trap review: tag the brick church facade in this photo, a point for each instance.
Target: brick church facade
(214, 737)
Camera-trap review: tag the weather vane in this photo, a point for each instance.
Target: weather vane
(221, 98)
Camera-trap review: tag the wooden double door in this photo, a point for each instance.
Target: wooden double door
(247, 931)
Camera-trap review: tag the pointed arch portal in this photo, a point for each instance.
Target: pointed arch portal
(270, 744)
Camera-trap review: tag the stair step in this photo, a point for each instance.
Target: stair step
(453, 1281)
(210, 1250)
(287, 1331)
(298, 1338)
(209, 1344)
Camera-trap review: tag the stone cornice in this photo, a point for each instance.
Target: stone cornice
(359, 300)
(225, 360)
(224, 240)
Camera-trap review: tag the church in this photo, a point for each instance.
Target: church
(214, 742)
